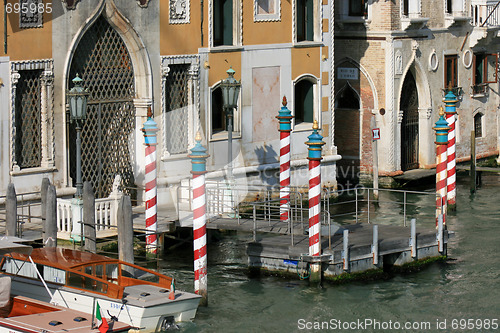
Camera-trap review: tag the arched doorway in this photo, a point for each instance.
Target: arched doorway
(103, 61)
(409, 124)
(348, 135)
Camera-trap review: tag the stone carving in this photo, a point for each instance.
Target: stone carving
(179, 11)
(116, 184)
(70, 4)
(143, 3)
(399, 63)
(30, 18)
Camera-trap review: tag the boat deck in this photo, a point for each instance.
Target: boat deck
(65, 320)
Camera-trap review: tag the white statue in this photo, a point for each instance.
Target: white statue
(116, 184)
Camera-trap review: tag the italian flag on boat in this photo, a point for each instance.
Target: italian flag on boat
(102, 323)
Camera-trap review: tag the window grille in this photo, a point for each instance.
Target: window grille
(103, 62)
(28, 125)
(478, 125)
(176, 108)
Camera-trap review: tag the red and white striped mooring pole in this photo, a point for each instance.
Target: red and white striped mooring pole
(149, 131)
(441, 129)
(450, 101)
(315, 144)
(198, 158)
(285, 121)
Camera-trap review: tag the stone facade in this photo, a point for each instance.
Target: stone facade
(385, 45)
(174, 45)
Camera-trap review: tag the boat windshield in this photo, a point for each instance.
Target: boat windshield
(138, 273)
(26, 269)
(80, 281)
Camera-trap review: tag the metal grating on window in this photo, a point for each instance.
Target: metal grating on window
(103, 62)
(28, 126)
(478, 126)
(176, 109)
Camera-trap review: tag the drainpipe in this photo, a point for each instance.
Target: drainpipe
(201, 23)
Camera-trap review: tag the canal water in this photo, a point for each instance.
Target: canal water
(460, 295)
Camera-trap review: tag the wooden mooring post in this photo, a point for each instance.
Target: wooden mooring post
(11, 211)
(43, 195)
(125, 230)
(89, 232)
(472, 161)
(413, 238)
(375, 245)
(50, 225)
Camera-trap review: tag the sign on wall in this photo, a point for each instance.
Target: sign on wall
(376, 133)
(345, 73)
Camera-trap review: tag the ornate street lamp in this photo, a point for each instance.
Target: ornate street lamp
(230, 93)
(77, 100)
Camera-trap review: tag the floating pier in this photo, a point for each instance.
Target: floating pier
(358, 248)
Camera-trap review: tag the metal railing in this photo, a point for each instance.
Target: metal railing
(28, 210)
(485, 15)
(480, 89)
(392, 206)
(270, 211)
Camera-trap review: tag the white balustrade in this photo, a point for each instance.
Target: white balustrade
(105, 215)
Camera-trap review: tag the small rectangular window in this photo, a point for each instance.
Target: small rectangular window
(305, 20)
(218, 114)
(449, 6)
(485, 68)
(304, 102)
(357, 8)
(406, 7)
(223, 22)
(450, 71)
(478, 125)
(267, 10)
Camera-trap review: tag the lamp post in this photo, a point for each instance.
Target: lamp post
(230, 93)
(77, 100)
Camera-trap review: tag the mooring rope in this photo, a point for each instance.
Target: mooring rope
(303, 277)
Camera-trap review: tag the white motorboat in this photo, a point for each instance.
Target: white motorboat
(21, 314)
(75, 279)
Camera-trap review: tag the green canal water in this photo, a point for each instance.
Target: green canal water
(459, 295)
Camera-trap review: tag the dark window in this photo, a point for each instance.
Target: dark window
(28, 122)
(223, 22)
(305, 20)
(406, 7)
(218, 114)
(449, 6)
(478, 125)
(485, 68)
(304, 102)
(348, 99)
(357, 8)
(450, 71)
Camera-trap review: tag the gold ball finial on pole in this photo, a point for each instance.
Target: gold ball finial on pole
(198, 136)
(315, 124)
(441, 111)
